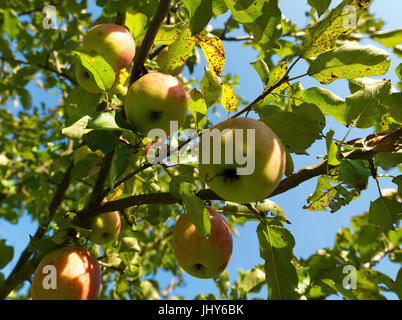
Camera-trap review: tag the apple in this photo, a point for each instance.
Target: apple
(203, 258)
(153, 101)
(69, 273)
(113, 42)
(267, 155)
(105, 227)
(163, 59)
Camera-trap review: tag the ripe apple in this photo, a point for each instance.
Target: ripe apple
(113, 42)
(163, 59)
(153, 101)
(268, 155)
(203, 258)
(69, 273)
(105, 227)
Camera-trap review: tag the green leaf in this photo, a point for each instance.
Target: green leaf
(348, 62)
(251, 279)
(394, 103)
(46, 245)
(303, 125)
(85, 167)
(261, 17)
(329, 103)
(10, 23)
(97, 66)
(354, 173)
(200, 14)
(121, 160)
(6, 253)
(219, 7)
(320, 5)
(197, 105)
(80, 103)
(136, 22)
(332, 149)
(108, 121)
(389, 38)
(388, 160)
(347, 294)
(379, 87)
(385, 212)
(102, 140)
(398, 71)
(276, 248)
(77, 129)
(398, 181)
(265, 206)
(195, 210)
(262, 69)
(180, 50)
(340, 21)
(211, 87)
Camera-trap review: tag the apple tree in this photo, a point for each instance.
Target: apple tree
(67, 165)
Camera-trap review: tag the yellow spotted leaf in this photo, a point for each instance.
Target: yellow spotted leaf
(229, 99)
(213, 50)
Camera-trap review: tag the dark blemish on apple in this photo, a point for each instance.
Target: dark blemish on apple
(230, 175)
(105, 234)
(155, 115)
(199, 266)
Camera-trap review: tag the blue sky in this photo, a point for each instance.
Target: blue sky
(312, 230)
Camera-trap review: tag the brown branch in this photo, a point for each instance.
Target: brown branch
(142, 52)
(41, 66)
(290, 182)
(24, 268)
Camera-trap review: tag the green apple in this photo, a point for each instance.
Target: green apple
(153, 101)
(69, 273)
(163, 59)
(105, 227)
(113, 42)
(203, 258)
(266, 160)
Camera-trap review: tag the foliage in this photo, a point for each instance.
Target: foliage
(39, 176)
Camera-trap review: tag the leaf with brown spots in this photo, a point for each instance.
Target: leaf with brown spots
(213, 50)
(328, 196)
(342, 20)
(167, 34)
(349, 61)
(180, 50)
(229, 99)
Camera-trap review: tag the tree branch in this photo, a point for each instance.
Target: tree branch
(142, 53)
(290, 182)
(41, 66)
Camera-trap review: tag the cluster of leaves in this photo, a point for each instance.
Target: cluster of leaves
(39, 145)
